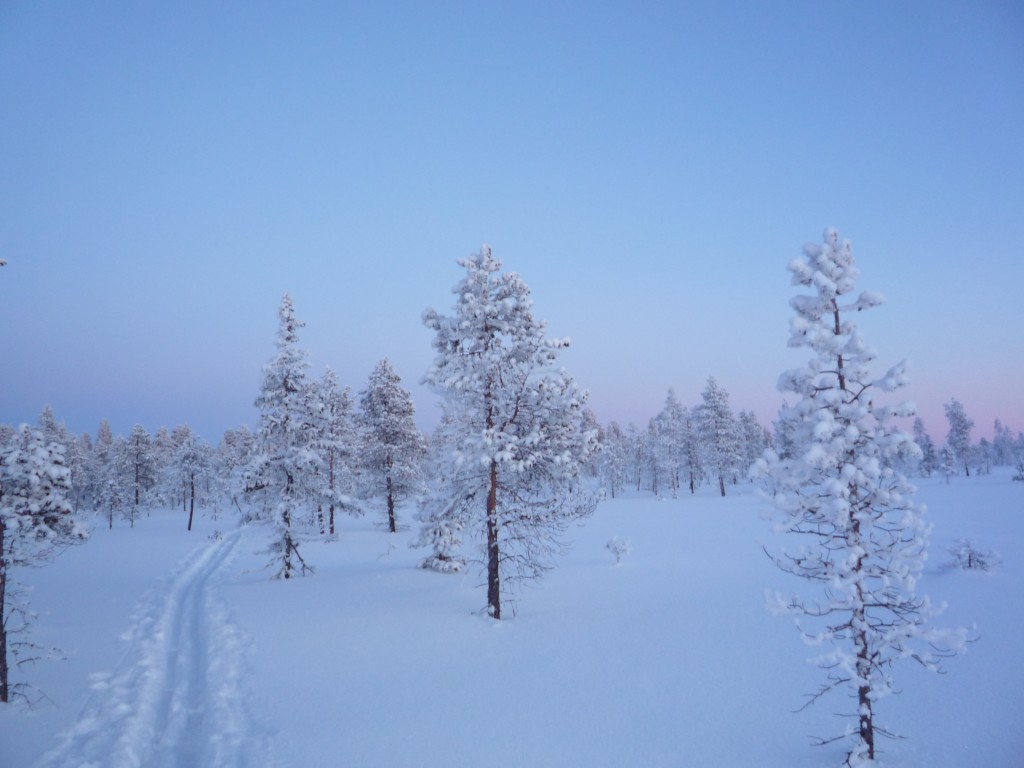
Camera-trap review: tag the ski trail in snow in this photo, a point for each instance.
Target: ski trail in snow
(177, 699)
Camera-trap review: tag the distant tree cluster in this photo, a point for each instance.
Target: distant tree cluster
(957, 454)
(683, 448)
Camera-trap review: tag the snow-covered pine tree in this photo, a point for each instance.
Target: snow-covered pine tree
(192, 466)
(670, 426)
(75, 453)
(753, 439)
(230, 460)
(439, 513)
(719, 435)
(141, 466)
(286, 461)
(36, 523)
(614, 459)
(863, 537)
(516, 426)
(654, 461)
(393, 448)
(959, 437)
(929, 460)
(1002, 444)
(339, 445)
(782, 436)
(53, 431)
(111, 495)
(692, 451)
(177, 490)
(636, 442)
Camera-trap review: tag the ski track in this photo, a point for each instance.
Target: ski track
(176, 700)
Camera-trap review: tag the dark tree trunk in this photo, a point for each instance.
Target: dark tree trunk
(493, 575)
(286, 544)
(4, 686)
(721, 484)
(330, 509)
(192, 503)
(391, 506)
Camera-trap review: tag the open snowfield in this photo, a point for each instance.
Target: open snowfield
(182, 653)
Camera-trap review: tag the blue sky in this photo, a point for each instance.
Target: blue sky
(169, 170)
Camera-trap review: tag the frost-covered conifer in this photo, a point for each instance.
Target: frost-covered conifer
(753, 438)
(339, 445)
(670, 428)
(286, 460)
(141, 466)
(36, 523)
(75, 452)
(959, 437)
(1002, 444)
(393, 448)
(654, 463)
(614, 459)
(929, 461)
(232, 457)
(862, 536)
(441, 518)
(692, 451)
(193, 469)
(110, 494)
(516, 427)
(719, 434)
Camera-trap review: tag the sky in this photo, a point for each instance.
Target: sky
(169, 170)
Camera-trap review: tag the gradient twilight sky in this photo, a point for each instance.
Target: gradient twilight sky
(169, 170)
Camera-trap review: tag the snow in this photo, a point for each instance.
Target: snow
(182, 651)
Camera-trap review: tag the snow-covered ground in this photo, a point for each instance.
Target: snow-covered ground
(182, 653)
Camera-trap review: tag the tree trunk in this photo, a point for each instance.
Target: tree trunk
(721, 484)
(861, 640)
(286, 543)
(192, 503)
(330, 509)
(4, 689)
(866, 716)
(391, 506)
(493, 575)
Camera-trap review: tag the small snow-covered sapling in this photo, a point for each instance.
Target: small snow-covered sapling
(618, 547)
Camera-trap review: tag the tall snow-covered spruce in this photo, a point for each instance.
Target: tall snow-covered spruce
(36, 523)
(515, 427)
(862, 536)
(287, 460)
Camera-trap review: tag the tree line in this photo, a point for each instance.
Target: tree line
(518, 457)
